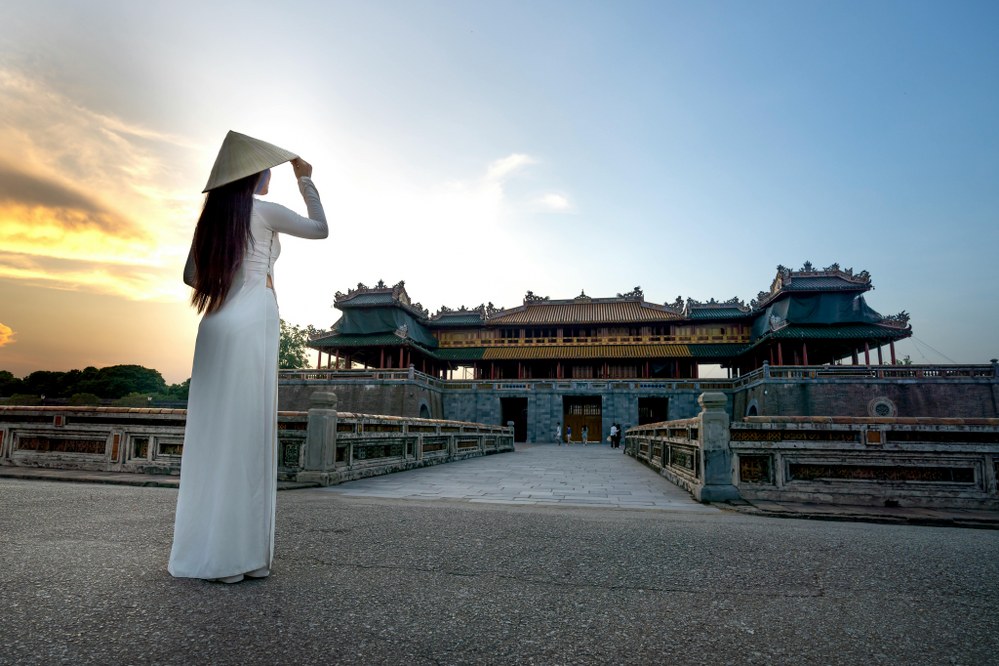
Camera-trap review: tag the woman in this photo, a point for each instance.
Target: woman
(224, 525)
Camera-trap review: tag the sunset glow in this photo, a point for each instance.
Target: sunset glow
(480, 150)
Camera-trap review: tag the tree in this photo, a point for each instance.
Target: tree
(9, 384)
(292, 353)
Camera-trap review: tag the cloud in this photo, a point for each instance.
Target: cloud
(6, 335)
(503, 168)
(92, 202)
(555, 202)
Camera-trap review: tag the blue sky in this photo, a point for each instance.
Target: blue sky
(481, 149)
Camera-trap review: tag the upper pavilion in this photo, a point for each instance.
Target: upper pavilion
(808, 316)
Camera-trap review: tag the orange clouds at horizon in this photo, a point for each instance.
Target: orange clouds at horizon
(95, 222)
(6, 335)
(87, 201)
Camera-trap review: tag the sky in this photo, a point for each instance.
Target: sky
(480, 149)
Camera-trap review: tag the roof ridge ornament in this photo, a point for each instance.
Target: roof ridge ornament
(582, 296)
(900, 320)
(635, 293)
(531, 297)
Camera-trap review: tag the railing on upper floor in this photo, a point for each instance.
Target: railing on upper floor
(768, 372)
(323, 375)
(796, 372)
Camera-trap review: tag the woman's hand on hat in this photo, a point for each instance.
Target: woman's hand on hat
(301, 167)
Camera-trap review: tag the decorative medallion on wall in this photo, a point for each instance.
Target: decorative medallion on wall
(882, 407)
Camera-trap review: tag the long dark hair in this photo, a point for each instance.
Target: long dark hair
(220, 241)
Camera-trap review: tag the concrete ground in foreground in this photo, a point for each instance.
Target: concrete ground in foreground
(375, 580)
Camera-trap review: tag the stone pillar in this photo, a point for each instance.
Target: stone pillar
(716, 456)
(320, 440)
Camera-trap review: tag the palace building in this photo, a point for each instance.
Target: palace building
(590, 361)
(807, 317)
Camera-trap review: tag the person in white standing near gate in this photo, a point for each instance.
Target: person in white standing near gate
(224, 524)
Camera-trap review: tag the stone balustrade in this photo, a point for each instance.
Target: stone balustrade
(871, 461)
(693, 453)
(320, 445)
(932, 462)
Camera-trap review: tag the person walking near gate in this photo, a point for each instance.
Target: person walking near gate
(558, 434)
(568, 434)
(586, 431)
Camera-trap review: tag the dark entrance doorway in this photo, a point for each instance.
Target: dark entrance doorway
(515, 409)
(653, 410)
(583, 410)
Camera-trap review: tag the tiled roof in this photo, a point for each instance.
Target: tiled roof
(583, 312)
(799, 282)
(459, 354)
(717, 313)
(463, 319)
(376, 298)
(846, 332)
(716, 351)
(376, 340)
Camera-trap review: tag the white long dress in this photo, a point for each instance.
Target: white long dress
(224, 525)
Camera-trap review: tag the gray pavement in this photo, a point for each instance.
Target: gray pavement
(576, 475)
(449, 579)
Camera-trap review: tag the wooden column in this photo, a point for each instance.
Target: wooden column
(881, 360)
(381, 360)
(804, 353)
(319, 361)
(401, 352)
(780, 354)
(856, 361)
(891, 347)
(867, 353)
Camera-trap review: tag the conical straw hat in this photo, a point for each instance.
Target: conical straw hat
(241, 156)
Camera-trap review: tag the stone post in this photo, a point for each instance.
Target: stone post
(320, 440)
(716, 456)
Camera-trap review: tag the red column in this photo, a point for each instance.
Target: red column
(804, 353)
(881, 360)
(401, 352)
(867, 353)
(319, 361)
(780, 354)
(381, 361)
(891, 346)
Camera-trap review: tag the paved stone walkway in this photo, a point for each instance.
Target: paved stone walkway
(546, 474)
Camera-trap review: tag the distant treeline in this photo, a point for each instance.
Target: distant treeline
(115, 382)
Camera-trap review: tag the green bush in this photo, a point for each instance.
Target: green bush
(24, 399)
(84, 399)
(133, 400)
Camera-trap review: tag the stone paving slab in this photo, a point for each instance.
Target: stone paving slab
(591, 476)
